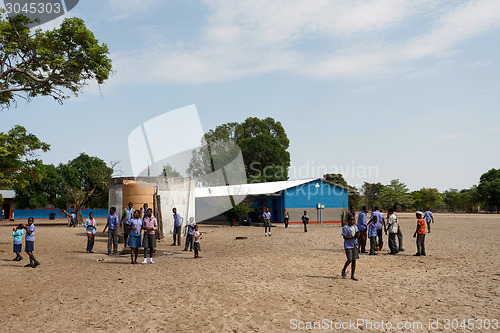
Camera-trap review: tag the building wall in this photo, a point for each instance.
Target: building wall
(310, 195)
(330, 215)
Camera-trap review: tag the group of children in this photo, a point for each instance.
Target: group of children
(136, 227)
(373, 229)
(29, 245)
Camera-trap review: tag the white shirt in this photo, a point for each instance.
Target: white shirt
(393, 224)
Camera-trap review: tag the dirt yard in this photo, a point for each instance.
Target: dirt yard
(284, 283)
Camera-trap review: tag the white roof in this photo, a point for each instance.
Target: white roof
(8, 194)
(249, 189)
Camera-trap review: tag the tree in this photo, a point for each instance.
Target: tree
(451, 199)
(52, 63)
(262, 142)
(395, 194)
(81, 182)
(18, 163)
(238, 210)
(169, 171)
(426, 197)
(371, 192)
(489, 189)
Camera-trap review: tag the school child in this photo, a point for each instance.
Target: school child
(197, 237)
(429, 218)
(190, 234)
(392, 228)
(17, 233)
(112, 226)
(149, 225)
(29, 246)
(372, 234)
(420, 234)
(267, 220)
(90, 225)
(350, 233)
(134, 240)
(305, 220)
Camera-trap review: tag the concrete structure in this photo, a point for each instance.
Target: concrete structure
(323, 200)
(161, 193)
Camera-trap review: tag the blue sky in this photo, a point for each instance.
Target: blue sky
(374, 89)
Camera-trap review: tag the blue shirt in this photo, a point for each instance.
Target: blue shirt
(191, 228)
(380, 218)
(428, 216)
(266, 215)
(18, 236)
(31, 238)
(349, 243)
(372, 229)
(112, 221)
(177, 220)
(136, 223)
(362, 221)
(90, 225)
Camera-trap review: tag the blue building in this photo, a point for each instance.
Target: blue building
(324, 201)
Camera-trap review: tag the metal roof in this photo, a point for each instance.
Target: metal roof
(8, 194)
(253, 189)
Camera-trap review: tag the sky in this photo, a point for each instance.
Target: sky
(375, 90)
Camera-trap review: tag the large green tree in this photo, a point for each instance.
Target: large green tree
(371, 192)
(54, 63)
(395, 194)
(19, 165)
(426, 197)
(489, 189)
(262, 142)
(82, 182)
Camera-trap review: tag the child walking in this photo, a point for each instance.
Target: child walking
(29, 246)
(372, 234)
(197, 237)
(190, 234)
(420, 234)
(134, 240)
(17, 233)
(350, 233)
(90, 225)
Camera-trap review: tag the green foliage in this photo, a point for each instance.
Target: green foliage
(451, 199)
(52, 63)
(241, 209)
(489, 189)
(396, 193)
(263, 144)
(83, 181)
(371, 192)
(426, 197)
(169, 171)
(18, 163)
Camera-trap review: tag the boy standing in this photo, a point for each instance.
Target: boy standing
(420, 234)
(177, 227)
(190, 234)
(372, 234)
(392, 228)
(267, 220)
(29, 246)
(350, 233)
(127, 216)
(112, 232)
(305, 220)
(429, 218)
(90, 225)
(362, 225)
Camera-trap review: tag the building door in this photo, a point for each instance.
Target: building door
(275, 211)
(6, 211)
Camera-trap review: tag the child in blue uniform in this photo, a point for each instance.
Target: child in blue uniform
(29, 246)
(17, 233)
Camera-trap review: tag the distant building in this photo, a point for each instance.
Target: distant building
(323, 200)
(8, 204)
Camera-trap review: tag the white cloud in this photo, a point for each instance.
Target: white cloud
(368, 39)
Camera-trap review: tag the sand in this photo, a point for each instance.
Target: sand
(281, 283)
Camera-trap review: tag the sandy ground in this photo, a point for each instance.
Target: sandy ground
(281, 283)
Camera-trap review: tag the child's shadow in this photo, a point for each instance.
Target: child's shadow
(323, 277)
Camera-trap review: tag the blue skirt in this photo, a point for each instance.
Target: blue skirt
(18, 247)
(134, 241)
(29, 246)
